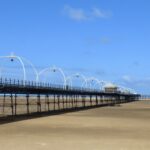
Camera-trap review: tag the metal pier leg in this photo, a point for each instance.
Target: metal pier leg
(38, 103)
(58, 98)
(69, 102)
(47, 98)
(15, 104)
(27, 98)
(54, 101)
(84, 101)
(96, 100)
(72, 100)
(45, 104)
(66, 101)
(12, 105)
(74, 105)
(63, 102)
(81, 103)
(4, 103)
(90, 100)
(77, 101)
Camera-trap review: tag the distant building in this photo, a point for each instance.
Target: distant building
(110, 88)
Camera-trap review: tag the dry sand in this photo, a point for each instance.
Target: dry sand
(125, 127)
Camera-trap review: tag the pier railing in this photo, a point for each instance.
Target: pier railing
(34, 84)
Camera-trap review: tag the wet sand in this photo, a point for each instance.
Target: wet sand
(124, 127)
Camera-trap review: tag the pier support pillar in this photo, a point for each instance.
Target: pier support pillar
(38, 103)
(4, 100)
(27, 98)
(15, 104)
(12, 104)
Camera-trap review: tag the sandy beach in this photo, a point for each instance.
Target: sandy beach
(124, 127)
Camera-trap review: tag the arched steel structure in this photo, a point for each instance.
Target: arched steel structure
(33, 67)
(104, 83)
(54, 69)
(12, 57)
(94, 80)
(77, 75)
(85, 83)
(126, 89)
(21, 61)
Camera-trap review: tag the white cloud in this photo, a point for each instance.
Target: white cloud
(80, 14)
(75, 14)
(127, 78)
(101, 13)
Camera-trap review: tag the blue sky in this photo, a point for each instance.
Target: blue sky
(108, 39)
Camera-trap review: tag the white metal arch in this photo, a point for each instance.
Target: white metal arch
(77, 75)
(33, 67)
(126, 89)
(21, 61)
(54, 69)
(92, 79)
(12, 57)
(104, 83)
